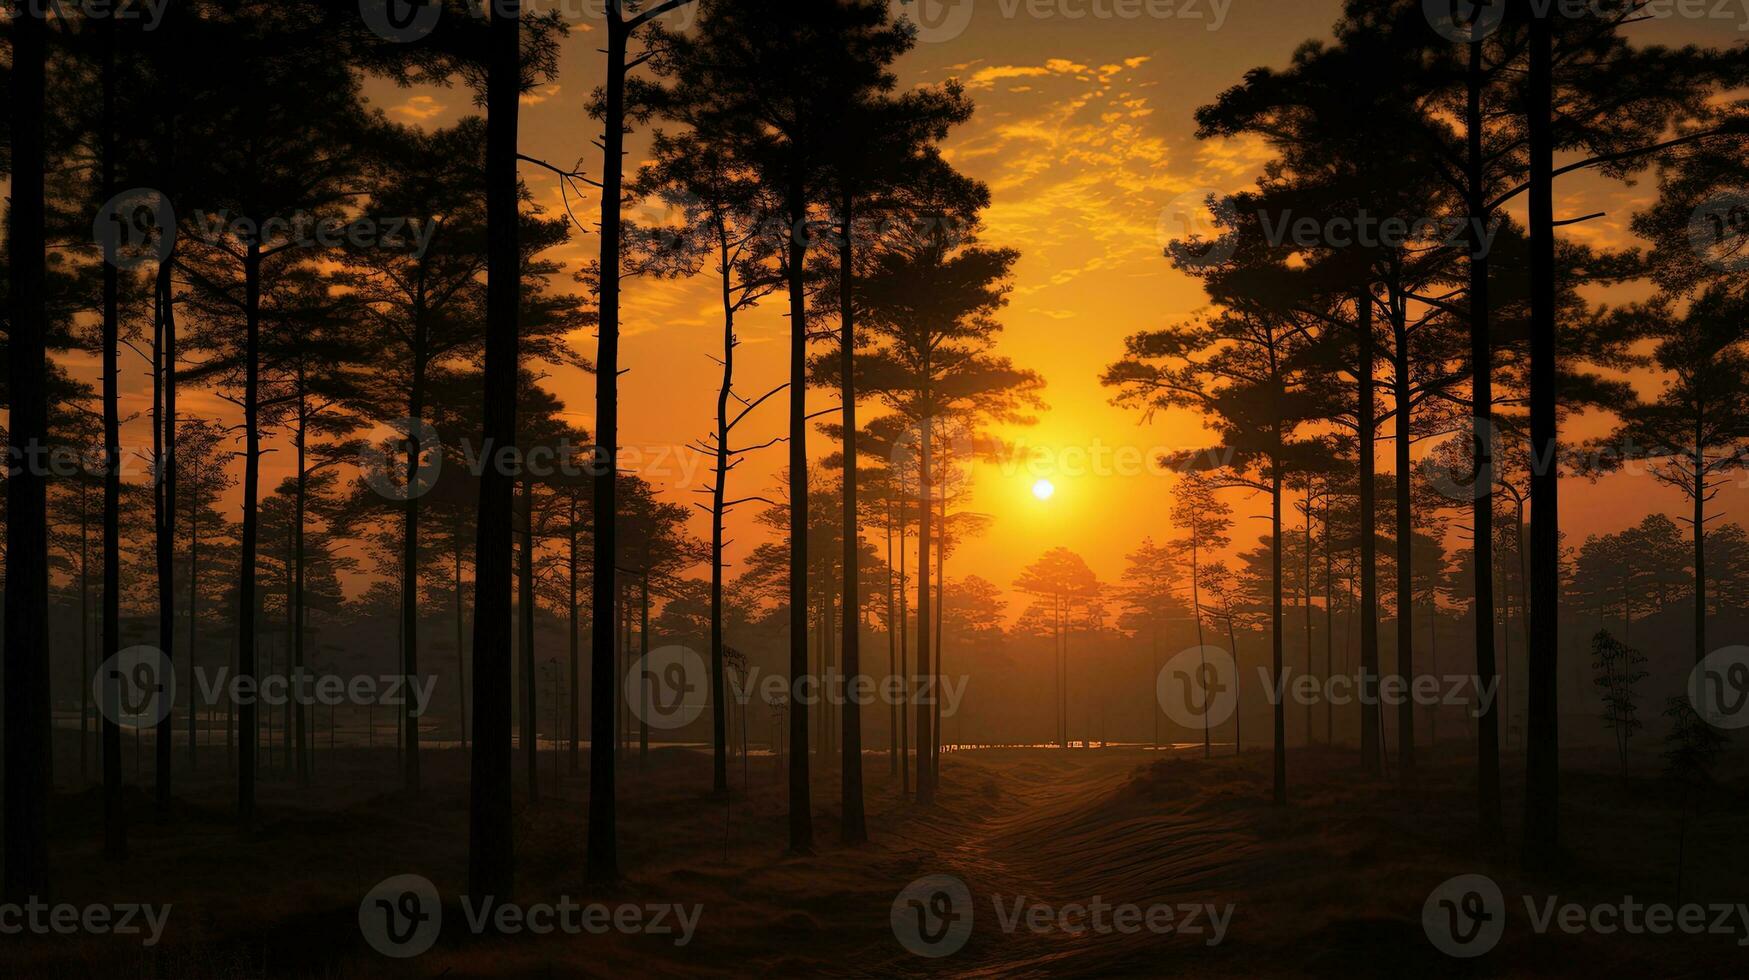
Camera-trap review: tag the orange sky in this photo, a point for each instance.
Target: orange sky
(1083, 131)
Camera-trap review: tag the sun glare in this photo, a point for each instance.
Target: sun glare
(1044, 489)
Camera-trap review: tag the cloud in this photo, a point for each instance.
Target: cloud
(985, 78)
(540, 95)
(419, 108)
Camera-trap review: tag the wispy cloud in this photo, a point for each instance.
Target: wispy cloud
(419, 108)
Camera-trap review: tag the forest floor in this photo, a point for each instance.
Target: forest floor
(1332, 885)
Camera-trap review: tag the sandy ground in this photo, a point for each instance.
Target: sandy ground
(1333, 885)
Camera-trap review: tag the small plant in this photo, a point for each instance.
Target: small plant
(1618, 668)
(1690, 750)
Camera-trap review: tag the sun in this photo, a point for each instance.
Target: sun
(1044, 489)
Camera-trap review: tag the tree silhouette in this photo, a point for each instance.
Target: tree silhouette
(27, 551)
(1204, 520)
(1697, 430)
(1061, 579)
(1149, 592)
(774, 76)
(624, 19)
(1248, 371)
(726, 212)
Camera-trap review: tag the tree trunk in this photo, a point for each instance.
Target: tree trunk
(114, 821)
(193, 620)
(1405, 547)
(1370, 715)
(719, 496)
(643, 660)
(940, 610)
(1306, 599)
(1482, 449)
(892, 654)
(461, 662)
(164, 378)
(904, 652)
(603, 847)
(572, 748)
(925, 736)
(1700, 495)
(801, 823)
(1277, 621)
(855, 828)
(297, 595)
(491, 847)
(1542, 762)
(246, 598)
(525, 639)
(28, 715)
(410, 559)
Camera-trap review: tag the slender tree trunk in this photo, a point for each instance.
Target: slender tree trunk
(1196, 613)
(193, 621)
(925, 733)
(28, 716)
(603, 847)
(246, 597)
(297, 595)
(525, 638)
(571, 747)
(491, 847)
(165, 380)
(801, 822)
(719, 497)
(1278, 621)
(1238, 686)
(1329, 618)
(114, 820)
(1542, 763)
(86, 667)
(410, 556)
(1700, 493)
(461, 661)
(1306, 598)
(940, 611)
(1482, 450)
(1370, 715)
(855, 828)
(644, 658)
(892, 654)
(1405, 546)
(905, 686)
